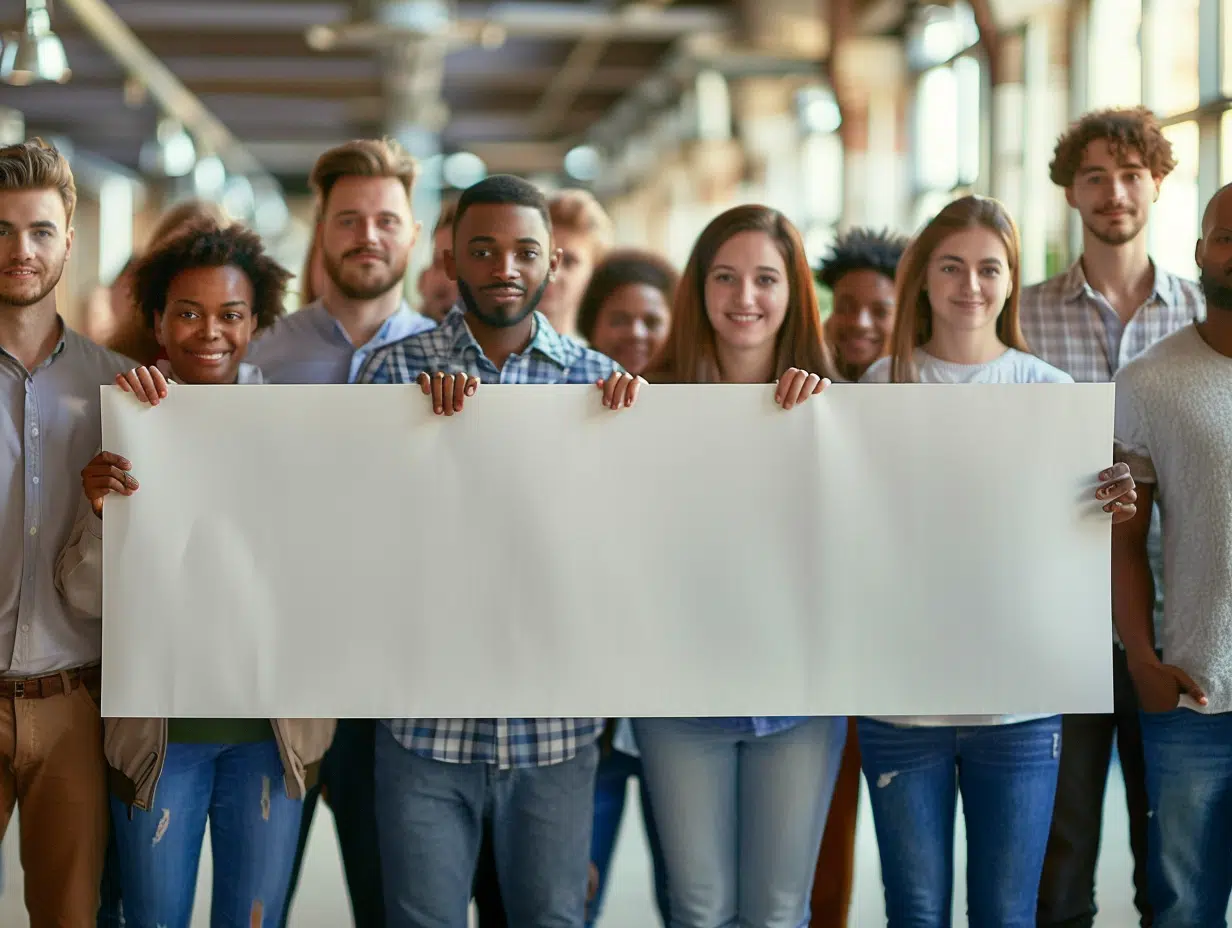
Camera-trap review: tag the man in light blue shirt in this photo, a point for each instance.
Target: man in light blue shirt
(365, 232)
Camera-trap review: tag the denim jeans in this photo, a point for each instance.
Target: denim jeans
(346, 778)
(1007, 775)
(611, 785)
(739, 817)
(253, 829)
(430, 822)
(1189, 842)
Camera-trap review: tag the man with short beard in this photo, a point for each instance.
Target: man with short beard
(1113, 303)
(440, 781)
(365, 231)
(51, 747)
(1174, 430)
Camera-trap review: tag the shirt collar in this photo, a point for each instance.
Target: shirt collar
(1076, 285)
(402, 323)
(546, 340)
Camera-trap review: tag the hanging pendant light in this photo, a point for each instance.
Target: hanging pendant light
(37, 54)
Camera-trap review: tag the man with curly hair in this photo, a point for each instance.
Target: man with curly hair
(859, 272)
(1112, 304)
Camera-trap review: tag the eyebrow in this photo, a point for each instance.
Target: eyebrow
(760, 267)
(40, 224)
(996, 261)
(1099, 169)
(202, 305)
(485, 239)
(355, 212)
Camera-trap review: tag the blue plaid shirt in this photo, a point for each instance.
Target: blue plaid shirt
(549, 358)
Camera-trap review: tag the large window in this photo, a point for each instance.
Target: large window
(1172, 48)
(1115, 70)
(1174, 225)
(950, 106)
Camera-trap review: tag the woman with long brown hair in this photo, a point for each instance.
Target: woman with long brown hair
(957, 297)
(740, 803)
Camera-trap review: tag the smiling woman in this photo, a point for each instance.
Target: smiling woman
(204, 293)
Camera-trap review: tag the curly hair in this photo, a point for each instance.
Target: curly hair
(1124, 129)
(862, 250)
(206, 244)
(619, 269)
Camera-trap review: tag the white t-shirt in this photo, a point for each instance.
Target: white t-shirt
(1174, 429)
(1011, 367)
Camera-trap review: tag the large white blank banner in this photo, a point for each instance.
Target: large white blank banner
(322, 551)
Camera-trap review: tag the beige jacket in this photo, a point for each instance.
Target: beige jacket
(135, 748)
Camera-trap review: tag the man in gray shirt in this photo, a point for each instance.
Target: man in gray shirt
(1174, 429)
(51, 749)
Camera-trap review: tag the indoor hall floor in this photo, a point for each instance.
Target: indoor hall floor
(322, 899)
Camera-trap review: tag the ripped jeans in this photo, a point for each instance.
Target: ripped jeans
(1008, 778)
(254, 829)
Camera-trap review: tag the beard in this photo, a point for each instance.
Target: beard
(1218, 292)
(499, 322)
(1118, 236)
(363, 284)
(23, 293)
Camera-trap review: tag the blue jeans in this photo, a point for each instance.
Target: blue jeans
(1189, 838)
(1008, 778)
(740, 817)
(253, 829)
(611, 782)
(430, 824)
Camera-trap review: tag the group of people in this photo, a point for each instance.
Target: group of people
(750, 821)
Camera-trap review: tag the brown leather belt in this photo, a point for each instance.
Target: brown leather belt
(53, 684)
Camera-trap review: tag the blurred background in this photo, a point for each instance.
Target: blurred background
(837, 112)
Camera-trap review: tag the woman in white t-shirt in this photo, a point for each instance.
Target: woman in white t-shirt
(958, 323)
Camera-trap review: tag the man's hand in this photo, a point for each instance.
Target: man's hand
(620, 390)
(146, 383)
(1160, 686)
(106, 473)
(796, 386)
(1118, 493)
(448, 391)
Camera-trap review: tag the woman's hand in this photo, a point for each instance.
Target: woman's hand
(107, 473)
(146, 383)
(620, 389)
(796, 386)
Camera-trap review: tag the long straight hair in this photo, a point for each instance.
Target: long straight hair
(690, 355)
(914, 325)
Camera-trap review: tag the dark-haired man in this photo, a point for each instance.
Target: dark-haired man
(437, 780)
(1113, 303)
(51, 748)
(1174, 430)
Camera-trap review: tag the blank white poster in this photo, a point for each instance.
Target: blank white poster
(339, 551)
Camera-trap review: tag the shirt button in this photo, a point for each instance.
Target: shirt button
(35, 481)
(34, 431)
(25, 628)
(33, 529)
